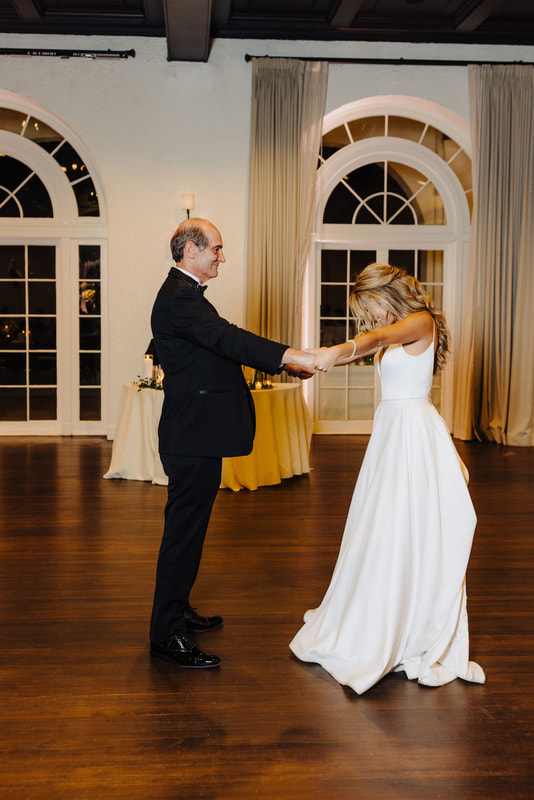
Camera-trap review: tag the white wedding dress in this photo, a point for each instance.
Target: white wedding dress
(397, 598)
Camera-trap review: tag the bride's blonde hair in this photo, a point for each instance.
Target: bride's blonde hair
(399, 293)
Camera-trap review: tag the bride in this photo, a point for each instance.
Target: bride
(397, 597)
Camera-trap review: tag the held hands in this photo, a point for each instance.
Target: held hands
(324, 358)
(298, 371)
(298, 363)
(302, 363)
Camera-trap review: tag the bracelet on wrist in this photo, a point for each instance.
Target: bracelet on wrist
(353, 343)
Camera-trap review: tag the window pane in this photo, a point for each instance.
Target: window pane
(13, 172)
(11, 120)
(13, 369)
(333, 301)
(403, 179)
(361, 404)
(89, 333)
(334, 140)
(429, 206)
(70, 162)
(361, 376)
(367, 127)
(461, 166)
(89, 369)
(430, 266)
(333, 332)
(404, 128)
(333, 266)
(86, 198)
(435, 140)
(12, 333)
(42, 297)
(340, 206)
(12, 297)
(9, 208)
(90, 404)
(89, 298)
(360, 259)
(368, 180)
(43, 369)
(42, 134)
(398, 212)
(42, 333)
(364, 215)
(12, 261)
(89, 261)
(405, 259)
(13, 405)
(334, 379)
(469, 198)
(35, 199)
(436, 293)
(43, 404)
(332, 404)
(41, 261)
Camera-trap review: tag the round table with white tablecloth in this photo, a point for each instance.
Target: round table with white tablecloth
(135, 447)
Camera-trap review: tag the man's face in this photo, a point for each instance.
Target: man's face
(207, 261)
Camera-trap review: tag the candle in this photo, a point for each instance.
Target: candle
(148, 364)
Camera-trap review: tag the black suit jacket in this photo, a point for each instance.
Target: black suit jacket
(207, 408)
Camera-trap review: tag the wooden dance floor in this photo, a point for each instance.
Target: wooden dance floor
(85, 714)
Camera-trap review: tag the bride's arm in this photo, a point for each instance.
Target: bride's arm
(413, 328)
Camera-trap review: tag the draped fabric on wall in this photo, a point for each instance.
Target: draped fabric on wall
(288, 103)
(495, 383)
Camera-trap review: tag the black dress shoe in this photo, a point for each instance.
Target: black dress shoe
(197, 624)
(182, 652)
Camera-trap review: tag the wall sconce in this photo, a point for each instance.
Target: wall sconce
(188, 203)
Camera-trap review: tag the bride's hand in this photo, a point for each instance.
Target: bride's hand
(324, 358)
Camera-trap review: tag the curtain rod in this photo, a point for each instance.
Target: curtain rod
(427, 62)
(35, 51)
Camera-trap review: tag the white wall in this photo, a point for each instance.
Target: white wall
(157, 129)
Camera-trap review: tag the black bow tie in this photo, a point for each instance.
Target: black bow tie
(201, 288)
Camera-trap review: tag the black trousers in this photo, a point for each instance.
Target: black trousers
(193, 486)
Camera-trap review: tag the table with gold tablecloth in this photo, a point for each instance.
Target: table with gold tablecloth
(282, 443)
(281, 447)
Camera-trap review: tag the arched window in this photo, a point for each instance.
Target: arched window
(52, 249)
(394, 186)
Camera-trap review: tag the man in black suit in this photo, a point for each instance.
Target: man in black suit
(208, 413)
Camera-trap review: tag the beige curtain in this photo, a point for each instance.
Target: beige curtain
(288, 102)
(495, 383)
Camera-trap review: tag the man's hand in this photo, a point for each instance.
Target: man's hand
(298, 371)
(298, 363)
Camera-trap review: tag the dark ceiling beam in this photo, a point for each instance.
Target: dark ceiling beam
(474, 13)
(27, 10)
(345, 13)
(220, 13)
(187, 25)
(153, 10)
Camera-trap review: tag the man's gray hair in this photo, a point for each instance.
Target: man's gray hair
(188, 231)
